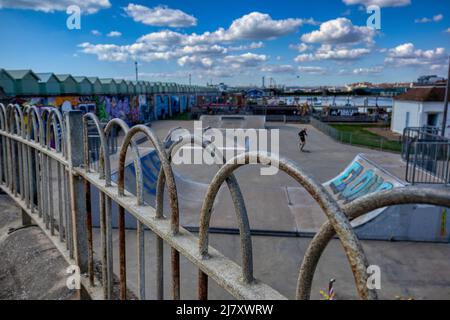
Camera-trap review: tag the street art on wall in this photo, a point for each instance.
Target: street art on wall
(131, 109)
(360, 178)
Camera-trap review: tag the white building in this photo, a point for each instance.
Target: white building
(419, 107)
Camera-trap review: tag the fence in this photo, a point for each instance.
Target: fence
(46, 171)
(351, 138)
(427, 156)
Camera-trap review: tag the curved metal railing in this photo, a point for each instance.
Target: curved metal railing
(45, 168)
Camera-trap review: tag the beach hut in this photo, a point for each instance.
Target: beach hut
(68, 84)
(97, 87)
(84, 86)
(26, 82)
(149, 87)
(49, 85)
(157, 87)
(137, 87)
(122, 87)
(7, 83)
(131, 88)
(144, 86)
(109, 86)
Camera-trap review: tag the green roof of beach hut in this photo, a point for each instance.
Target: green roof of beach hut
(122, 86)
(84, 86)
(109, 86)
(7, 83)
(68, 84)
(97, 87)
(49, 85)
(26, 82)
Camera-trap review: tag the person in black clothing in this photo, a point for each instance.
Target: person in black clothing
(302, 134)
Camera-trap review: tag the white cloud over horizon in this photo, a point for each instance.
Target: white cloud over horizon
(50, 6)
(407, 55)
(340, 31)
(161, 16)
(380, 3)
(436, 18)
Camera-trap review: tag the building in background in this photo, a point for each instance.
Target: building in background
(419, 107)
(430, 80)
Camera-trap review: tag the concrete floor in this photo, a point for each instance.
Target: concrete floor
(417, 270)
(408, 270)
(286, 206)
(31, 268)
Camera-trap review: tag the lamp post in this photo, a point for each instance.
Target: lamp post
(136, 68)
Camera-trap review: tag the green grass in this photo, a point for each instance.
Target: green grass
(358, 134)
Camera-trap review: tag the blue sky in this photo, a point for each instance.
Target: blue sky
(320, 42)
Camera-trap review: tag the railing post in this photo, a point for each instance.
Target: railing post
(26, 219)
(77, 188)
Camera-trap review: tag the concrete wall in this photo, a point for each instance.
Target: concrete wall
(399, 117)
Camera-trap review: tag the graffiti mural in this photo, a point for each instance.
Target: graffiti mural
(132, 109)
(359, 179)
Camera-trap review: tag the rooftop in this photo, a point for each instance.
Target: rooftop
(20, 74)
(428, 94)
(63, 77)
(45, 76)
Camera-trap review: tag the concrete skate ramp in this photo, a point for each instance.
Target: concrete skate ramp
(234, 122)
(291, 211)
(362, 177)
(402, 223)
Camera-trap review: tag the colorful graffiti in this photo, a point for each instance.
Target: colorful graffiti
(360, 179)
(132, 109)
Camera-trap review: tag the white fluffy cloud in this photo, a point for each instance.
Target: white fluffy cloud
(380, 3)
(251, 46)
(436, 18)
(327, 52)
(196, 62)
(302, 47)
(86, 6)
(284, 68)
(408, 55)
(105, 52)
(253, 26)
(312, 70)
(368, 71)
(168, 44)
(113, 34)
(161, 16)
(260, 26)
(340, 31)
(245, 60)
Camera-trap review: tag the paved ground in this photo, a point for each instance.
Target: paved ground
(286, 205)
(30, 266)
(408, 270)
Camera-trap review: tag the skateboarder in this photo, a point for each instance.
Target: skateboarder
(302, 134)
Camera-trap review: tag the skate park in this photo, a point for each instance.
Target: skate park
(395, 238)
(347, 172)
